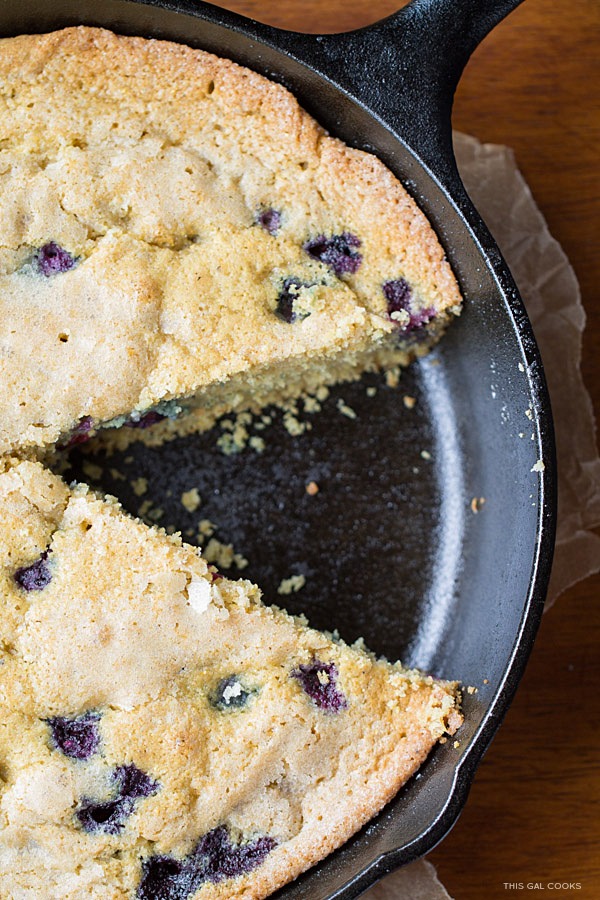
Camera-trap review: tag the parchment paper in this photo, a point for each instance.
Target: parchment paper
(550, 291)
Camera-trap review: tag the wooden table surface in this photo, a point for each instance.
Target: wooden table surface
(533, 815)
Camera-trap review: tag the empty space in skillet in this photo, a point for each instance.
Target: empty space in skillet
(396, 556)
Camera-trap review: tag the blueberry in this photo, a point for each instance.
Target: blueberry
(338, 252)
(133, 782)
(165, 878)
(80, 434)
(52, 259)
(269, 219)
(214, 858)
(218, 858)
(77, 738)
(36, 576)
(319, 680)
(399, 298)
(286, 308)
(230, 694)
(398, 295)
(109, 817)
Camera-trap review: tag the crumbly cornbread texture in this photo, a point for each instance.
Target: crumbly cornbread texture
(165, 736)
(173, 227)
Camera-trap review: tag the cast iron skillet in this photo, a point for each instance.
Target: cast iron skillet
(390, 547)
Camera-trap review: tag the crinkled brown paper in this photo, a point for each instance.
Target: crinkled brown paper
(549, 289)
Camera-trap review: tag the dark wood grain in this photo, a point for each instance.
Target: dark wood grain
(533, 813)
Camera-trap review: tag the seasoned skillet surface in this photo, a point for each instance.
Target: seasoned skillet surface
(365, 543)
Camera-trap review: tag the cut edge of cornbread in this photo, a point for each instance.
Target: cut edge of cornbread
(208, 239)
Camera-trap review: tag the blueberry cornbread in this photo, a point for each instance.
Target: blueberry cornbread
(165, 736)
(177, 234)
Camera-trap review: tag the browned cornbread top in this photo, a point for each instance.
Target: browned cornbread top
(170, 220)
(164, 736)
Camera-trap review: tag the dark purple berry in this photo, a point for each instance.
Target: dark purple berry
(77, 738)
(145, 421)
(36, 576)
(399, 298)
(286, 298)
(230, 694)
(165, 878)
(80, 434)
(52, 259)
(110, 816)
(214, 859)
(219, 859)
(398, 295)
(270, 220)
(421, 317)
(319, 680)
(338, 252)
(107, 818)
(133, 782)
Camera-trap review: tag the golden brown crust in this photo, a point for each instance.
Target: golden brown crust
(149, 162)
(132, 626)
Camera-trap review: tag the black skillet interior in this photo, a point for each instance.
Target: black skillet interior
(390, 547)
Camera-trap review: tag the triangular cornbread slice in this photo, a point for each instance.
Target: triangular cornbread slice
(176, 233)
(165, 736)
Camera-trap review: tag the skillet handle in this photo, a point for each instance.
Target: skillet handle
(406, 67)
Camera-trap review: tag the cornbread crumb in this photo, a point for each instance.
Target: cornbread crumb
(456, 745)
(312, 488)
(392, 377)
(223, 555)
(191, 499)
(371, 391)
(345, 409)
(139, 486)
(408, 401)
(116, 475)
(311, 404)
(226, 444)
(477, 504)
(257, 443)
(144, 507)
(206, 528)
(538, 466)
(235, 435)
(292, 584)
(293, 425)
(92, 470)
(425, 454)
